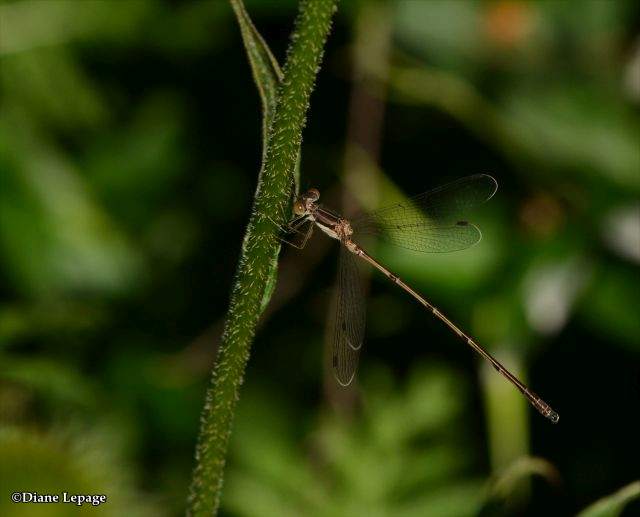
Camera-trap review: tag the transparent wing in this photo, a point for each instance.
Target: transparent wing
(432, 222)
(348, 331)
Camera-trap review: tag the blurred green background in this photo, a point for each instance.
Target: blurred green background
(130, 141)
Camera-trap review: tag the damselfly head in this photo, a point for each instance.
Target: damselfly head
(304, 203)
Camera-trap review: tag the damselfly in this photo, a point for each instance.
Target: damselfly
(430, 222)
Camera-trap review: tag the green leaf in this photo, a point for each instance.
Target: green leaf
(82, 459)
(527, 466)
(612, 505)
(52, 381)
(54, 236)
(400, 454)
(266, 71)
(267, 76)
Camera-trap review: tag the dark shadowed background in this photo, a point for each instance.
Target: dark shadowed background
(130, 142)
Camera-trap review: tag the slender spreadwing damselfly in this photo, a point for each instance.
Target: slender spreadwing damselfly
(431, 223)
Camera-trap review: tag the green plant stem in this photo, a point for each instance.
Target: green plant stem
(259, 251)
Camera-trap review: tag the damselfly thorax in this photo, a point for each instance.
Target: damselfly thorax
(328, 221)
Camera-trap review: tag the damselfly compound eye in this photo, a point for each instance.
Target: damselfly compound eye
(299, 208)
(313, 194)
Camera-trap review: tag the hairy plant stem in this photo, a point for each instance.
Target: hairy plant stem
(260, 248)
